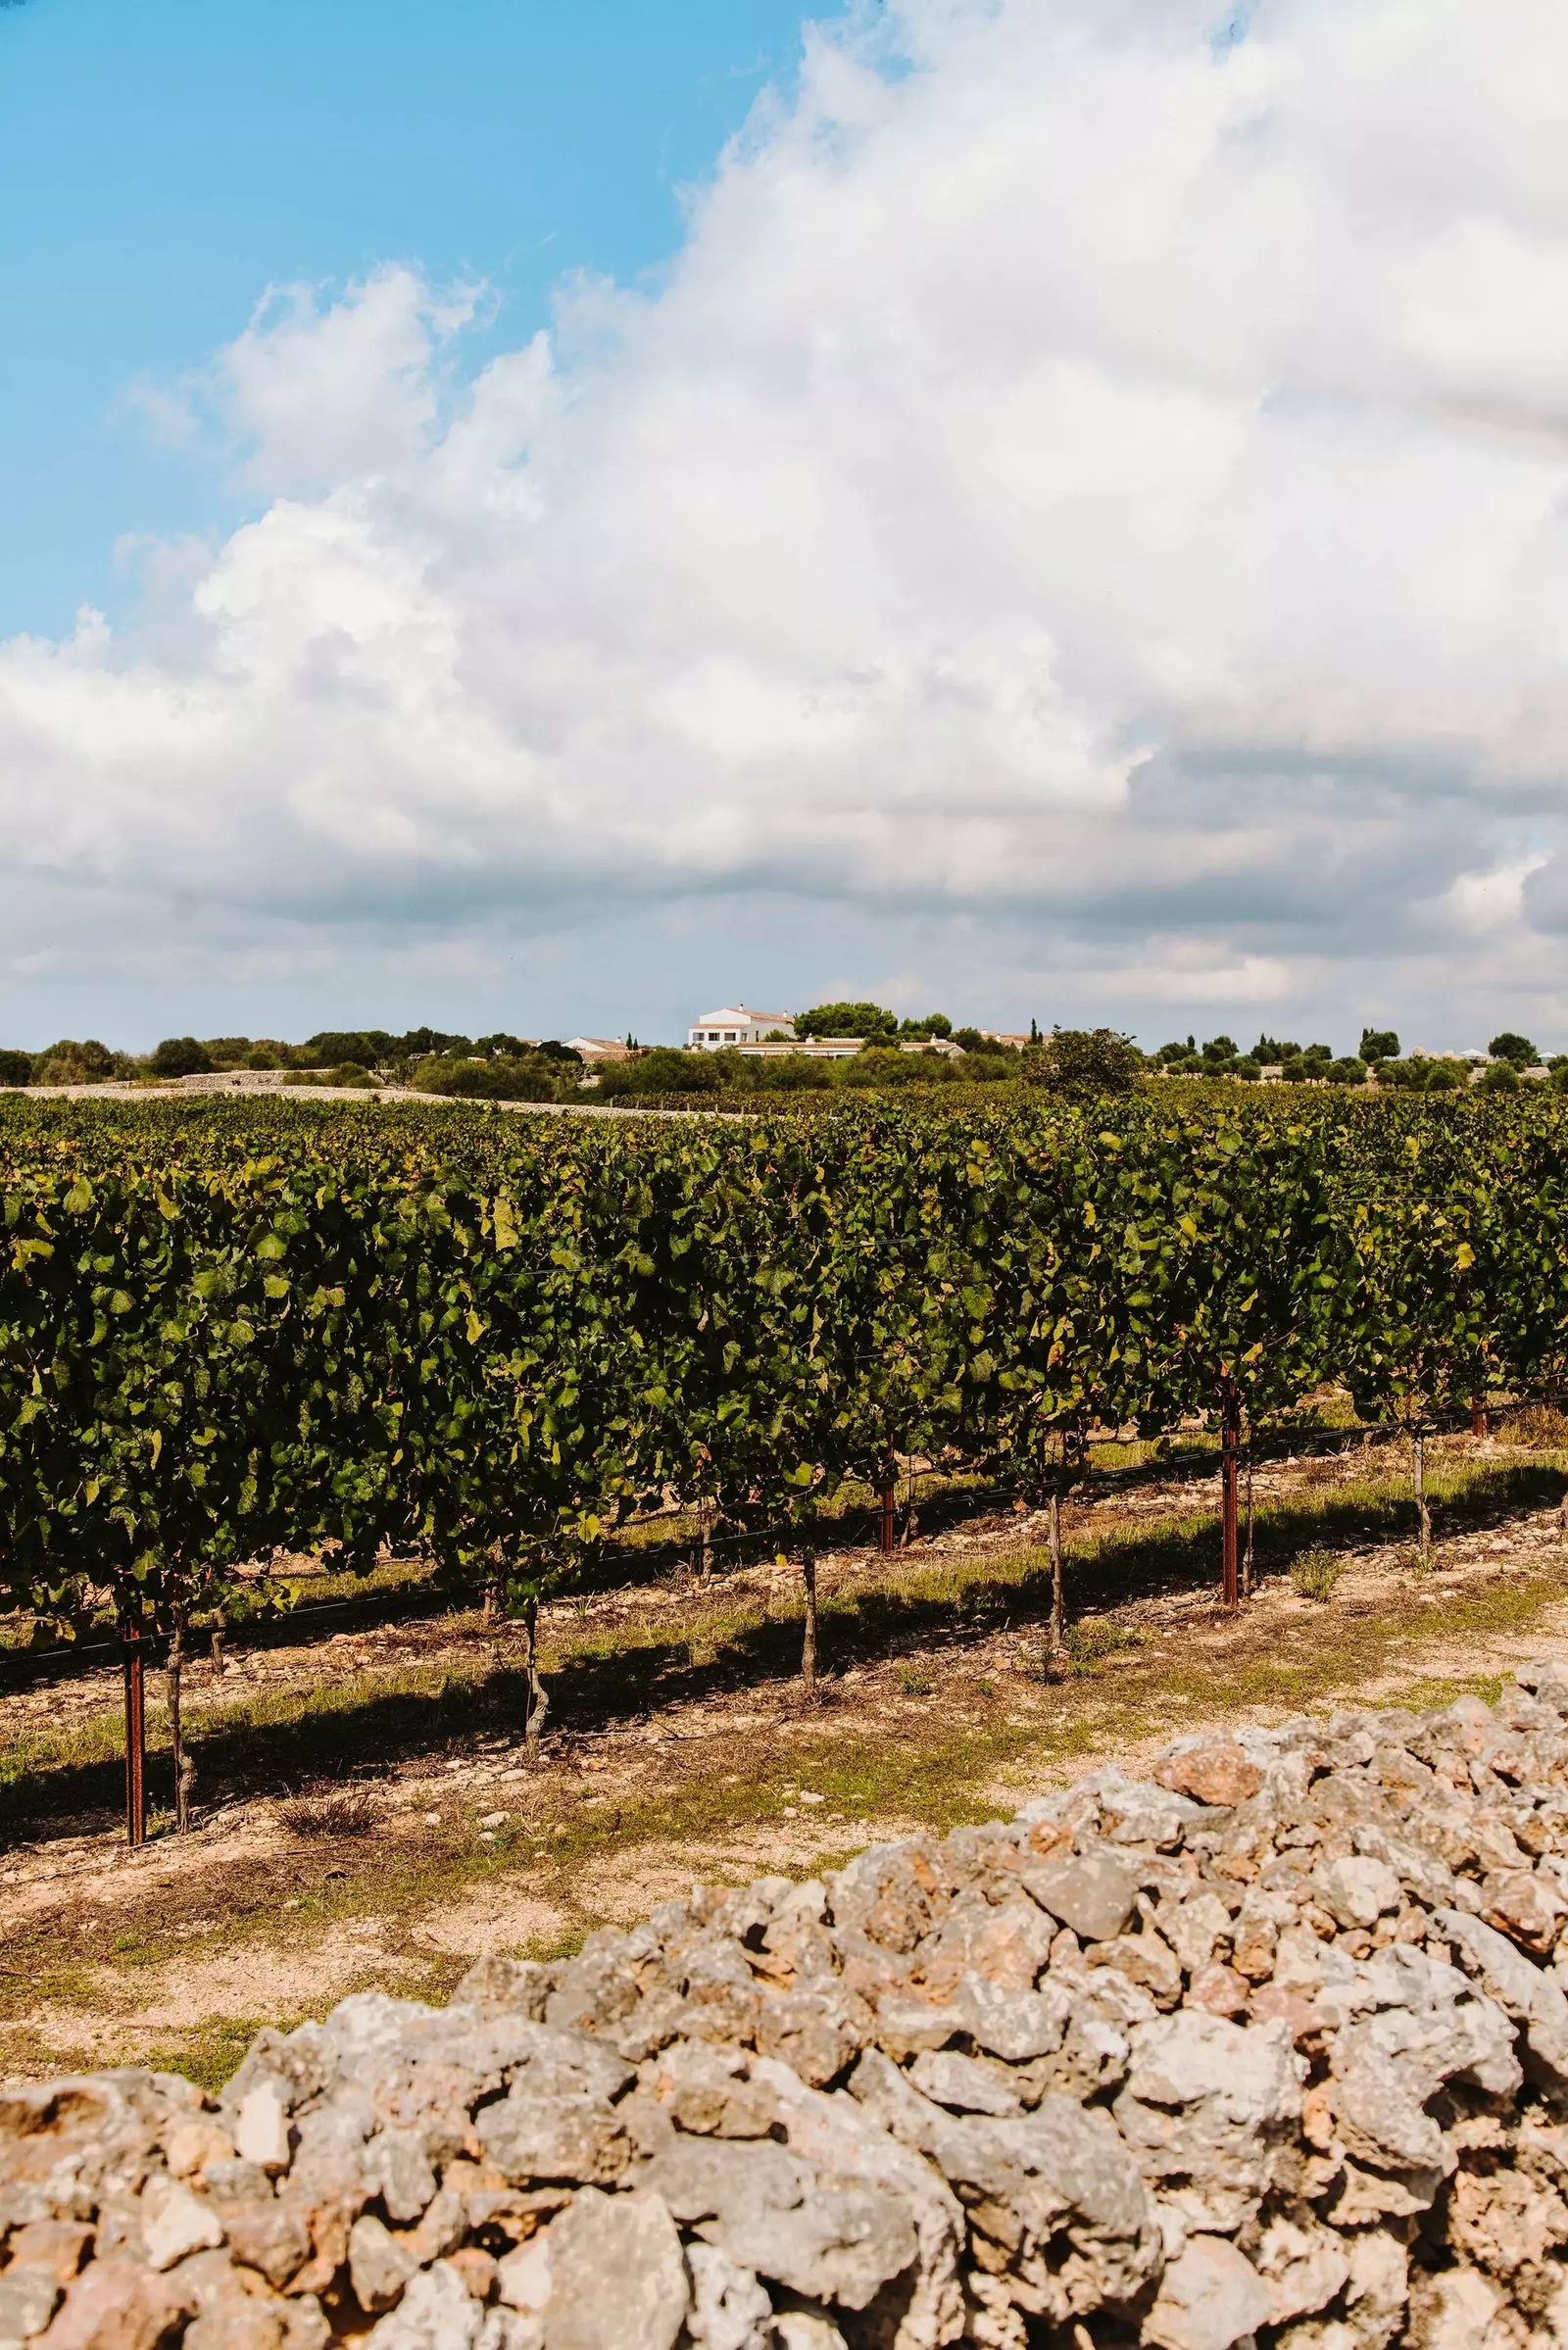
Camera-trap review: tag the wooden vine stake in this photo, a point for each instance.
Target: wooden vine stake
(1418, 1467)
(136, 1733)
(536, 1701)
(809, 1640)
(1478, 1416)
(1058, 1594)
(1249, 1555)
(1230, 1440)
(888, 1527)
(184, 1768)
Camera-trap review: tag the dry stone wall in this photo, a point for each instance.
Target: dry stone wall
(1271, 2046)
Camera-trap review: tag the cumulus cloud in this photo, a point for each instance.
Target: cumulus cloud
(1091, 485)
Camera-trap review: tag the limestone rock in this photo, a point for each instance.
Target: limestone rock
(1093, 1892)
(1209, 2298)
(617, 2276)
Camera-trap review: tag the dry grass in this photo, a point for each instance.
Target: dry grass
(1535, 1424)
(339, 1811)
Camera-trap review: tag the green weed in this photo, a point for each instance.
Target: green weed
(1316, 1574)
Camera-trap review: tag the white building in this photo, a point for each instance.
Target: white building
(736, 1025)
(598, 1048)
(815, 1047)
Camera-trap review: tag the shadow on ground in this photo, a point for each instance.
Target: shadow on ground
(729, 1649)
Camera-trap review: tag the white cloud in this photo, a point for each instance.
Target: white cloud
(1083, 487)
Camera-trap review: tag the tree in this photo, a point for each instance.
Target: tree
(182, 1056)
(1084, 1061)
(1502, 1077)
(1514, 1048)
(1220, 1051)
(1379, 1043)
(846, 1019)
(663, 1070)
(1273, 1050)
(71, 1063)
(935, 1023)
(16, 1068)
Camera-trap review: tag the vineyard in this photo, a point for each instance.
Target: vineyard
(229, 1331)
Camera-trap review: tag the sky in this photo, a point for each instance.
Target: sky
(555, 517)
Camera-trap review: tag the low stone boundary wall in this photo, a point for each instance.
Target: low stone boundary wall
(1273, 2043)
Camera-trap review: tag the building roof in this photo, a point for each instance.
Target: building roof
(598, 1048)
(736, 1015)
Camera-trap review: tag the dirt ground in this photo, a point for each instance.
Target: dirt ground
(680, 1744)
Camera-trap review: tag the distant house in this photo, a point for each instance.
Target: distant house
(737, 1025)
(814, 1048)
(598, 1048)
(1000, 1036)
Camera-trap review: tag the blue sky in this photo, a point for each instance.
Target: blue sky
(1066, 517)
(162, 162)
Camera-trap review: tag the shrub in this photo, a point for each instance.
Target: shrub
(1535, 1424)
(1090, 1643)
(16, 1068)
(666, 1070)
(71, 1063)
(1315, 1573)
(796, 1073)
(479, 1079)
(182, 1057)
(1087, 1062)
(1447, 1076)
(873, 1066)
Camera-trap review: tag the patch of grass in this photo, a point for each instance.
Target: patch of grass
(1540, 1424)
(210, 2053)
(341, 1811)
(1316, 1574)
(1090, 1643)
(915, 1684)
(1427, 1695)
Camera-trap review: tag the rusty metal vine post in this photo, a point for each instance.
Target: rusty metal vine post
(136, 1733)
